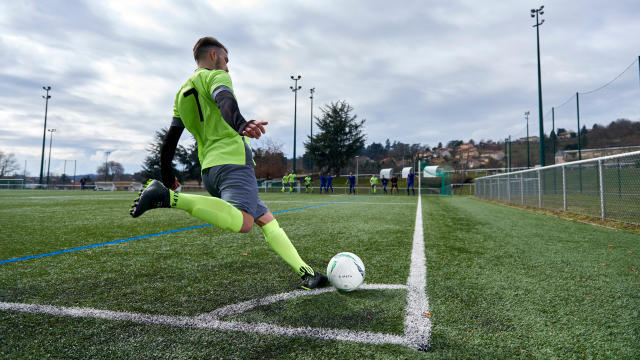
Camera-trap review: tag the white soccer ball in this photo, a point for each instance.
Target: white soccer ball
(345, 271)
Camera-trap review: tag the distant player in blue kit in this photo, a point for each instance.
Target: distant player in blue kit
(352, 183)
(329, 183)
(385, 181)
(410, 182)
(323, 182)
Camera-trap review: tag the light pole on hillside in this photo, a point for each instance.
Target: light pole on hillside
(44, 132)
(295, 89)
(106, 165)
(51, 131)
(526, 116)
(535, 13)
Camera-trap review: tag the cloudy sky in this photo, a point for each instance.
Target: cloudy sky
(417, 71)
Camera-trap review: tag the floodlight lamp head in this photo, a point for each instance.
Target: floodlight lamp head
(541, 7)
(292, 78)
(542, 22)
(533, 11)
(299, 87)
(541, 12)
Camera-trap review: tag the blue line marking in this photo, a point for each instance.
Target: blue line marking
(157, 234)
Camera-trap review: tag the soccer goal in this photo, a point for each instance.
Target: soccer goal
(104, 186)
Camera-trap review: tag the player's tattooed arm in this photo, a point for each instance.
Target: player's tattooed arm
(231, 114)
(167, 151)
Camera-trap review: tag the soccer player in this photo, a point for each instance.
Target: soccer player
(206, 106)
(285, 180)
(307, 184)
(352, 183)
(292, 181)
(323, 182)
(410, 177)
(374, 182)
(384, 184)
(394, 184)
(330, 182)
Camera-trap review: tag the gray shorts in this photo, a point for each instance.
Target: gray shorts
(237, 185)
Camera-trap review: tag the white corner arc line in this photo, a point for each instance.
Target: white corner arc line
(417, 326)
(211, 320)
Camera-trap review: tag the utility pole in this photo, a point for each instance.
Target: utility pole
(74, 172)
(51, 131)
(106, 165)
(535, 13)
(526, 115)
(64, 172)
(295, 89)
(44, 133)
(312, 90)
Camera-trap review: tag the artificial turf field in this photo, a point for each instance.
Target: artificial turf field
(501, 282)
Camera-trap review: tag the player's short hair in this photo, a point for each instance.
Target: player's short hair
(203, 45)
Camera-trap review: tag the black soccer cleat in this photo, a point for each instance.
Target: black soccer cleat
(153, 195)
(310, 282)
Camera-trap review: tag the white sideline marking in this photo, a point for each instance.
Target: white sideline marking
(417, 327)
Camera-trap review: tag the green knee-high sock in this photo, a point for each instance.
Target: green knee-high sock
(210, 209)
(280, 243)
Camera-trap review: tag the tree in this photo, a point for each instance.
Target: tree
(115, 169)
(339, 137)
(270, 160)
(8, 163)
(188, 158)
(151, 165)
(375, 151)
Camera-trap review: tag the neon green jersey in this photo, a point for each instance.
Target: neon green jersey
(373, 180)
(218, 143)
(307, 180)
(292, 177)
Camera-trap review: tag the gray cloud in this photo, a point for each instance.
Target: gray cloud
(419, 72)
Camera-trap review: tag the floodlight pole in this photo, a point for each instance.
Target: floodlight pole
(44, 132)
(526, 115)
(357, 171)
(295, 89)
(553, 130)
(578, 116)
(74, 172)
(535, 13)
(51, 131)
(64, 172)
(106, 165)
(312, 90)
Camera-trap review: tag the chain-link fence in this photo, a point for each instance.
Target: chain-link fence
(606, 187)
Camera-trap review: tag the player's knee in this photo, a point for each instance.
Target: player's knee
(247, 222)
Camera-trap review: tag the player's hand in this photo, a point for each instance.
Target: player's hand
(254, 129)
(176, 187)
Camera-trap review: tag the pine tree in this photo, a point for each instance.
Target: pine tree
(339, 138)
